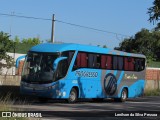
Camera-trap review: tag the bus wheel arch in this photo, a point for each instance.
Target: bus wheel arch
(77, 89)
(73, 95)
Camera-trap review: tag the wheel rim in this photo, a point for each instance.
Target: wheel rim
(124, 95)
(72, 96)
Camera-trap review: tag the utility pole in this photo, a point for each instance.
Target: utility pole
(10, 32)
(52, 32)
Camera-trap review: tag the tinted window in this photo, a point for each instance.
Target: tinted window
(94, 60)
(109, 62)
(81, 60)
(117, 62)
(69, 55)
(106, 62)
(139, 64)
(62, 69)
(129, 63)
(120, 63)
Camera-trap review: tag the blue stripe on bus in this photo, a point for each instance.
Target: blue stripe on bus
(115, 72)
(108, 71)
(120, 78)
(129, 54)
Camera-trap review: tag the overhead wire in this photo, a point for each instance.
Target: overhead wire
(60, 21)
(21, 16)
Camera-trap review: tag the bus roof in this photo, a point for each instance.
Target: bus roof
(50, 47)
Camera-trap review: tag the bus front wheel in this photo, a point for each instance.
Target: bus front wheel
(72, 96)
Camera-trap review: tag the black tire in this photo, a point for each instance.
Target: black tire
(42, 100)
(124, 95)
(72, 96)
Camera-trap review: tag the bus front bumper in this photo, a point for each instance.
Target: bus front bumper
(47, 90)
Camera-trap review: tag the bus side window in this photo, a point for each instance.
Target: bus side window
(92, 61)
(62, 69)
(115, 62)
(106, 62)
(143, 64)
(139, 64)
(109, 62)
(120, 63)
(98, 64)
(103, 61)
(129, 63)
(81, 60)
(69, 55)
(78, 60)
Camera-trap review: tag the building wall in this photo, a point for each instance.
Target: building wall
(12, 70)
(152, 78)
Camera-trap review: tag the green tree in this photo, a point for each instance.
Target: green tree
(145, 42)
(31, 41)
(16, 39)
(22, 46)
(104, 46)
(157, 28)
(5, 46)
(154, 11)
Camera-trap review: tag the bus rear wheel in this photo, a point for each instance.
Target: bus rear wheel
(123, 97)
(72, 96)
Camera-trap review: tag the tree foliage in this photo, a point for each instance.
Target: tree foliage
(31, 41)
(5, 46)
(22, 46)
(16, 45)
(144, 42)
(154, 11)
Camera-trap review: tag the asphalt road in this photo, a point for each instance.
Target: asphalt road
(60, 109)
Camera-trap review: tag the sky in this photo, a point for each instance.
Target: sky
(119, 16)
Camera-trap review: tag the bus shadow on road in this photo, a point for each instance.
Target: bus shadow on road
(80, 101)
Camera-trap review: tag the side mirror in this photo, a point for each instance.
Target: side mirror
(75, 67)
(18, 59)
(55, 63)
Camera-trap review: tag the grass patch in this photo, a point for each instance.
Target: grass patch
(155, 64)
(6, 105)
(152, 92)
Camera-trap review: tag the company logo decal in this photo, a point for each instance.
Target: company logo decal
(132, 76)
(110, 84)
(86, 74)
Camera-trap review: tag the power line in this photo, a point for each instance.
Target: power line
(21, 16)
(72, 24)
(91, 28)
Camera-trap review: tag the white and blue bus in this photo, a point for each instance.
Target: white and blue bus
(72, 71)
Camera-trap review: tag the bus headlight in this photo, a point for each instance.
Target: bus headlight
(52, 87)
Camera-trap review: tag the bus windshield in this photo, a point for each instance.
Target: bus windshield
(38, 67)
